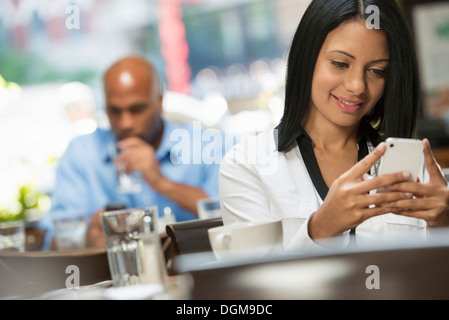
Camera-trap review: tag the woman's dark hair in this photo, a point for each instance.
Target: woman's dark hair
(395, 113)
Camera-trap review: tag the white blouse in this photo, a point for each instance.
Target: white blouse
(257, 182)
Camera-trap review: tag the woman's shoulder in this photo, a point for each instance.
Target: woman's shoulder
(257, 153)
(253, 146)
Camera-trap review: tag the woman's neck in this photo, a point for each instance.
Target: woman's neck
(327, 135)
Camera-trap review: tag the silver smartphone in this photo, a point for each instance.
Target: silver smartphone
(402, 155)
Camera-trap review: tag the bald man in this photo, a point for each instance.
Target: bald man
(86, 174)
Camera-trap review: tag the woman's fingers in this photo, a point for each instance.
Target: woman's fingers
(359, 172)
(435, 175)
(419, 189)
(383, 199)
(364, 165)
(429, 160)
(383, 181)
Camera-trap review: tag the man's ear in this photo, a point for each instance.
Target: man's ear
(160, 100)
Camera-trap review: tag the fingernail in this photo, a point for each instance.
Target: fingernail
(406, 174)
(408, 194)
(366, 177)
(381, 147)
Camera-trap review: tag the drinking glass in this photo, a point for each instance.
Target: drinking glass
(12, 235)
(126, 182)
(133, 246)
(70, 232)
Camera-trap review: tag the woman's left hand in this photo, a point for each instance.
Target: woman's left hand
(431, 201)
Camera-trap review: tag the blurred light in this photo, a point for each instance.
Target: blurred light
(9, 92)
(214, 107)
(249, 122)
(181, 105)
(276, 106)
(269, 82)
(78, 99)
(310, 279)
(258, 68)
(79, 103)
(84, 126)
(8, 190)
(3, 98)
(206, 79)
(30, 199)
(44, 203)
(278, 65)
(236, 69)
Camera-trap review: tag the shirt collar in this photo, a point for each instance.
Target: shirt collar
(166, 145)
(370, 135)
(108, 145)
(299, 134)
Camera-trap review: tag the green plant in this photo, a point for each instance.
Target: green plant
(27, 199)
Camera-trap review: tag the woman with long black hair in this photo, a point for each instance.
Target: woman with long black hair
(348, 88)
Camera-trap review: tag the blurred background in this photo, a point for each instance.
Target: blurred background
(222, 62)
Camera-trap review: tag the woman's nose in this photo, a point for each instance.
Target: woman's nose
(355, 82)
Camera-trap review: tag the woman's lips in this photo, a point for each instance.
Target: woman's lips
(348, 105)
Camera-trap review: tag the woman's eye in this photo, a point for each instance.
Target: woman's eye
(379, 72)
(339, 64)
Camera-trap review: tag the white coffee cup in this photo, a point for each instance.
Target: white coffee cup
(246, 239)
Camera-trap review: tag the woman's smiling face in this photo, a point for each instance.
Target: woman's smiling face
(350, 74)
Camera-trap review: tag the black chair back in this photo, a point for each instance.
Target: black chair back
(191, 236)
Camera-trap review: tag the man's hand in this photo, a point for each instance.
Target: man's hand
(137, 155)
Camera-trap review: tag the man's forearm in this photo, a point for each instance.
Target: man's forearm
(184, 195)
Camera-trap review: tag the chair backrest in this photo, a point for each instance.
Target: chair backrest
(191, 236)
(27, 274)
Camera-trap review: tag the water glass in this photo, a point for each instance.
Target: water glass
(126, 182)
(12, 235)
(70, 232)
(133, 246)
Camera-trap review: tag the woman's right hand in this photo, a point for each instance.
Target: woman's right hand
(348, 202)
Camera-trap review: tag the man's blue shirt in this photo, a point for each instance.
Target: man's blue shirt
(86, 177)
